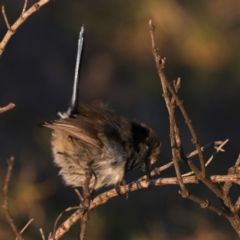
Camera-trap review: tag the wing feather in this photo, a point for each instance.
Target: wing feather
(82, 130)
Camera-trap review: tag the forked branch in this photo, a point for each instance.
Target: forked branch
(23, 17)
(221, 193)
(5, 203)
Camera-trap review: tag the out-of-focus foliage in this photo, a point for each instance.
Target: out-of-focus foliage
(201, 42)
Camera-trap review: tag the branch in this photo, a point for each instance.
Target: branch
(58, 218)
(216, 145)
(218, 149)
(24, 15)
(5, 18)
(228, 207)
(85, 204)
(5, 200)
(42, 234)
(170, 103)
(201, 175)
(26, 226)
(24, 6)
(160, 64)
(137, 185)
(6, 108)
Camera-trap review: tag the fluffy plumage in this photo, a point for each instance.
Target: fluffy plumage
(114, 144)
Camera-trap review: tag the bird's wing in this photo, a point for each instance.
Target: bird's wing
(102, 130)
(81, 129)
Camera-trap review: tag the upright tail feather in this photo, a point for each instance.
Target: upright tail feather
(74, 100)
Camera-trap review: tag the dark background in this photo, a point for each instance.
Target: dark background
(201, 42)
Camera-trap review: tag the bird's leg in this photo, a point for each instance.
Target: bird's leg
(147, 169)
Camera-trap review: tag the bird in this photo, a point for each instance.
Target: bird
(92, 132)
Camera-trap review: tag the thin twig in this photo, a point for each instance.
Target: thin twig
(12, 29)
(201, 174)
(160, 62)
(232, 170)
(85, 219)
(206, 204)
(6, 108)
(24, 6)
(158, 170)
(237, 205)
(78, 194)
(174, 132)
(42, 234)
(58, 218)
(25, 227)
(215, 145)
(86, 202)
(218, 149)
(5, 18)
(5, 199)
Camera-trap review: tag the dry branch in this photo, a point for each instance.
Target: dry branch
(23, 17)
(42, 234)
(5, 200)
(137, 185)
(160, 63)
(87, 195)
(6, 108)
(228, 209)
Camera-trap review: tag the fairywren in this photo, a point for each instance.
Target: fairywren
(92, 131)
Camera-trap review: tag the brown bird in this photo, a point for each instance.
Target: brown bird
(91, 131)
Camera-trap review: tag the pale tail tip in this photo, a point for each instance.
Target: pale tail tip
(81, 31)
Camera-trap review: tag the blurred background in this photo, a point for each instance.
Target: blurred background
(201, 42)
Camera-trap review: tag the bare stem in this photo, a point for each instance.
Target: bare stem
(160, 63)
(5, 200)
(134, 186)
(24, 6)
(42, 234)
(6, 108)
(24, 15)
